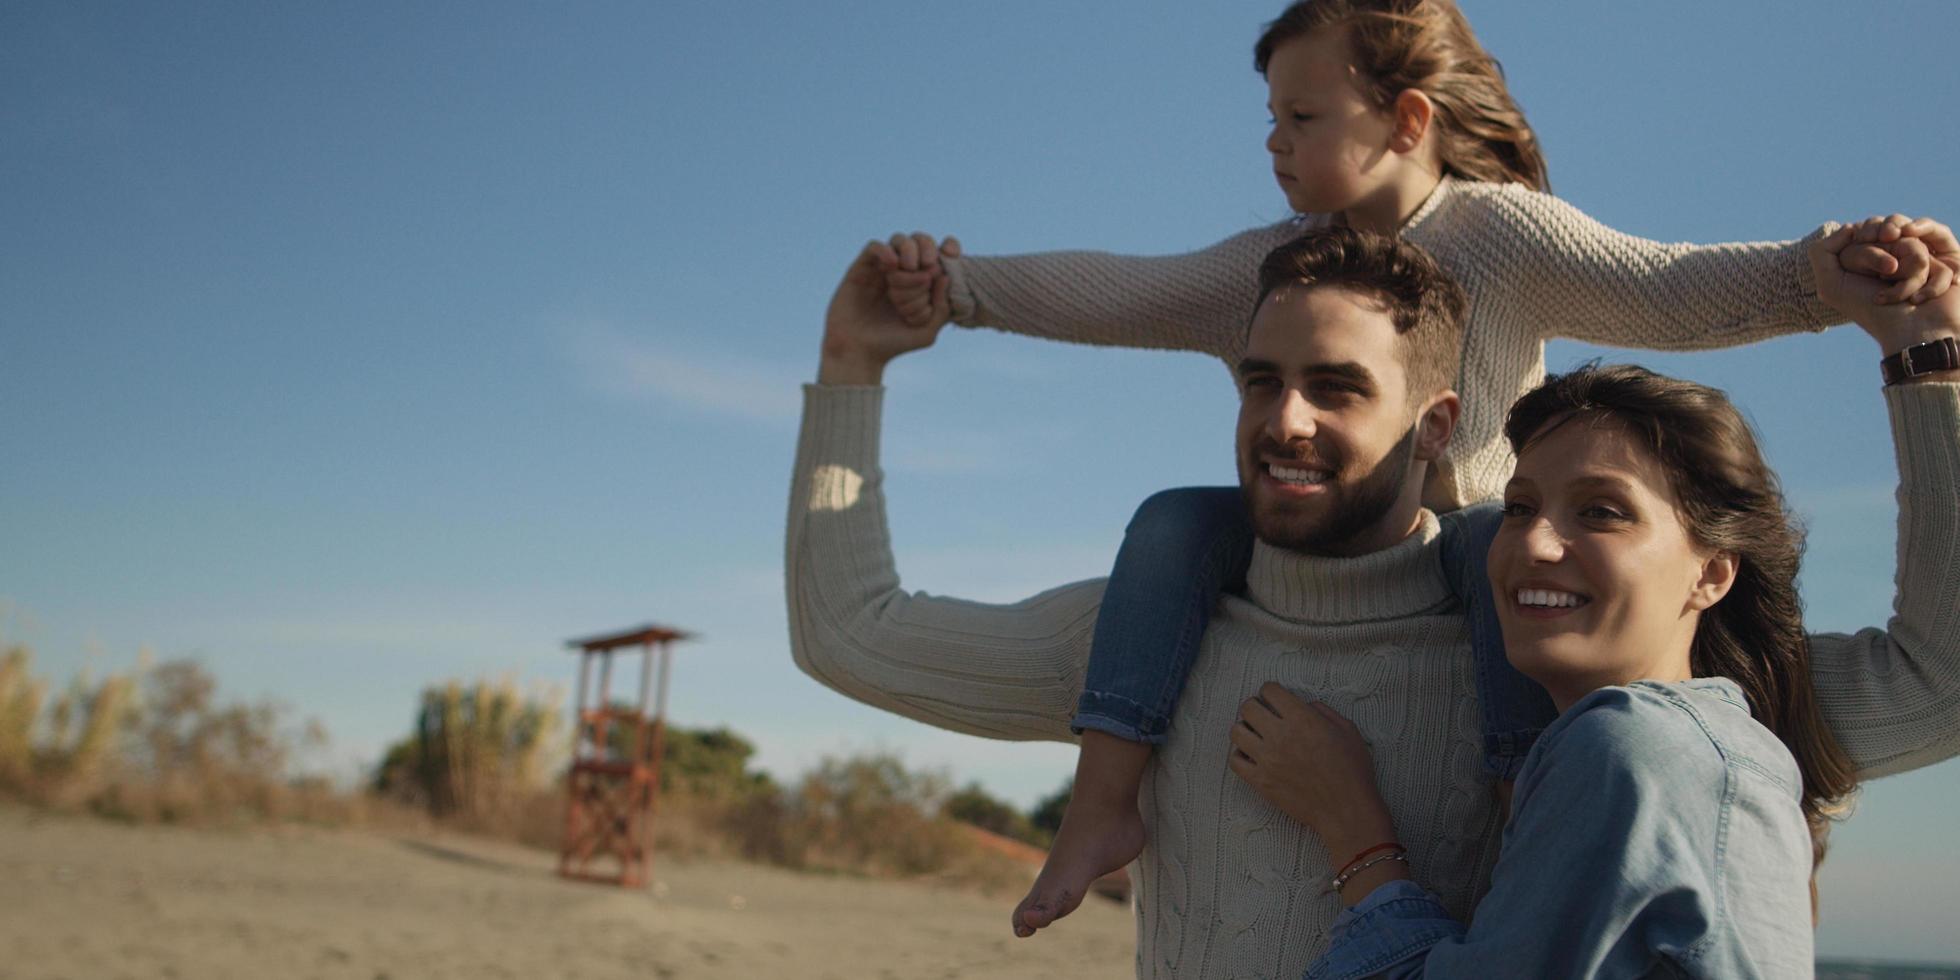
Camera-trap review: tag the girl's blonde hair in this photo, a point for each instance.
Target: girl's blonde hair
(1427, 45)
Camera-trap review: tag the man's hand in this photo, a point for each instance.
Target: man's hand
(1928, 257)
(1311, 763)
(911, 266)
(863, 331)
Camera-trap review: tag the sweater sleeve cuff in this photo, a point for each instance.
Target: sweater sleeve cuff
(1819, 313)
(959, 292)
(1925, 433)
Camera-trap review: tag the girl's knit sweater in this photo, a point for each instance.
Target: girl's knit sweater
(1535, 268)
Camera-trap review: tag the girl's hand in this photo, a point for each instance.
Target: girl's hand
(1919, 259)
(1928, 246)
(1311, 763)
(911, 267)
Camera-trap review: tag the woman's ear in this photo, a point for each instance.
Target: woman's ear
(1717, 575)
(1413, 112)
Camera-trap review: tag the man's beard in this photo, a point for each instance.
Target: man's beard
(1350, 511)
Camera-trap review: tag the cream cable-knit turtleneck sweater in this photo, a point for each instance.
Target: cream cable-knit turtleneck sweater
(1228, 887)
(1535, 267)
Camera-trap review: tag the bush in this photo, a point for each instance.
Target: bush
(711, 763)
(152, 744)
(20, 706)
(869, 813)
(1047, 814)
(480, 756)
(973, 805)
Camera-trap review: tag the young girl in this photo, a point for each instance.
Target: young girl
(1387, 115)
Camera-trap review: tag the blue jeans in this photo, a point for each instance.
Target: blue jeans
(1186, 547)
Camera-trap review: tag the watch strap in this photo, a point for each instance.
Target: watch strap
(1935, 355)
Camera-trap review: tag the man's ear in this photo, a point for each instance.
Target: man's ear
(1413, 112)
(1718, 573)
(1436, 423)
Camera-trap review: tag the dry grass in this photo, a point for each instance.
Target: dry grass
(21, 695)
(480, 758)
(154, 744)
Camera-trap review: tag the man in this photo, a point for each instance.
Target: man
(1345, 401)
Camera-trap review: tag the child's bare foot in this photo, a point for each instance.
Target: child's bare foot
(1088, 846)
(1101, 830)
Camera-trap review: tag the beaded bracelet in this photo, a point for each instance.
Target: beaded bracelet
(1385, 846)
(1334, 887)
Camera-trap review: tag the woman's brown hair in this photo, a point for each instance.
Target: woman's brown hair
(1729, 500)
(1427, 45)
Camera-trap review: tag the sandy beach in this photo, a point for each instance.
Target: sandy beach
(84, 899)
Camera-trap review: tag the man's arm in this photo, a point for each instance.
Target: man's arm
(1892, 696)
(1002, 671)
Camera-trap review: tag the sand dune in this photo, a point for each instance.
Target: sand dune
(85, 899)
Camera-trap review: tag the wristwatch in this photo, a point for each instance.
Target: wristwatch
(1934, 355)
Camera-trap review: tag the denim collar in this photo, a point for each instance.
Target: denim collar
(1721, 687)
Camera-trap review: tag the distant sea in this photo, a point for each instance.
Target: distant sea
(1879, 970)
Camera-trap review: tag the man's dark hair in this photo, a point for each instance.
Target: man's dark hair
(1425, 304)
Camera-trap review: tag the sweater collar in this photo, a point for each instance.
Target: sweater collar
(1428, 207)
(1405, 579)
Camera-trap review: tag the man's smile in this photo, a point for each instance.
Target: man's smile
(1292, 478)
(1300, 475)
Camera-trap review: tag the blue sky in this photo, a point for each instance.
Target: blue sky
(354, 347)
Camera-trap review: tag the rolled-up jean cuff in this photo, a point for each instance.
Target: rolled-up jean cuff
(1504, 752)
(1118, 716)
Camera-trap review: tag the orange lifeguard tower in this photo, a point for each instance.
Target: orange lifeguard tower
(614, 782)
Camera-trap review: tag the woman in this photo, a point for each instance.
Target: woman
(1669, 820)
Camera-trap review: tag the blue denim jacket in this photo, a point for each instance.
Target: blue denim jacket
(1655, 831)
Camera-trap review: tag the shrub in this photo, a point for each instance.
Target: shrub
(20, 706)
(973, 805)
(870, 813)
(480, 756)
(1047, 814)
(150, 744)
